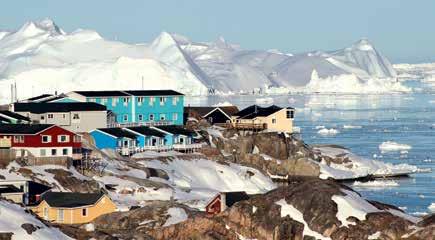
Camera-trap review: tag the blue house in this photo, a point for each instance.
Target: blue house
(150, 139)
(117, 139)
(138, 107)
(180, 138)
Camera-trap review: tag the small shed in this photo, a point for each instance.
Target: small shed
(224, 200)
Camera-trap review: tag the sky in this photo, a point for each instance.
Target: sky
(402, 30)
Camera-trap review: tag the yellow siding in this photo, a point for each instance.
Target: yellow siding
(74, 215)
(282, 124)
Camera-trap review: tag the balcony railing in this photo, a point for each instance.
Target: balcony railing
(138, 124)
(127, 151)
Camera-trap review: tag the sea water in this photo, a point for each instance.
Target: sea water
(363, 123)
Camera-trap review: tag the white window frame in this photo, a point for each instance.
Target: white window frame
(151, 103)
(65, 153)
(53, 150)
(50, 115)
(162, 117)
(140, 101)
(140, 117)
(114, 101)
(76, 116)
(77, 138)
(162, 100)
(174, 101)
(45, 213)
(59, 138)
(60, 215)
(18, 139)
(175, 116)
(43, 152)
(151, 117)
(273, 120)
(125, 118)
(48, 138)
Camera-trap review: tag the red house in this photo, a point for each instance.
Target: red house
(224, 200)
(40, 140)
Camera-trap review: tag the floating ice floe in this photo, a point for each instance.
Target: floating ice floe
(267, 100)
(351, 127)
(390, 146)
(376, 184)
(432, 207)
(223, 104)
(328, 132)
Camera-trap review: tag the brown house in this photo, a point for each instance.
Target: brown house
(213, 115)
(73, 208)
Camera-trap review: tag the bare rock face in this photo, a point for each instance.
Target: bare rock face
(30, 228)
(274, 153)
(6, 235)
(68, 181)
(261, 218)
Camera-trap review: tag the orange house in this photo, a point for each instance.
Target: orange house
(73, 208)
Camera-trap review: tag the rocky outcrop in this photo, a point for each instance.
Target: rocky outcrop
(68, 181)
(261, 217)
(273, 153)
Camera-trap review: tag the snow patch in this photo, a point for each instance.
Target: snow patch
(390, 146)
(376, 184)
(176, 215)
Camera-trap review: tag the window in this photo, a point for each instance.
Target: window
(151, 117)
(290, 114)
(92, 100)
(140, 100)
(46, 139)
(140, 117)
(114, 101)
(104, 101)
(60, 215)
(53, 152)
(43, 152)
(64, 116)
(77, 138)
(76, 116)
(162, 117)
(162, 101)
(84, 212)
(42, 117)
(19, 139)
(174, 100)
(65, 152)
(210, 119)
(63, 138)
(125, 118)
(175, 116)
(46, 213)
(126, 100)
(151, 101)
(125, 143)
(273, 120)
(50, 116)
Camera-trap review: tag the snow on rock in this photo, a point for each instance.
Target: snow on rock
(376, 184)
(13, 216)
(206, 174)
(352, 205)
(176, 215)
(389, 146)
(295, 214)
(328, 132)
(358, 166)
(375, 236)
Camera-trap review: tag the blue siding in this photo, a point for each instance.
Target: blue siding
(103, 140)
(170, 108)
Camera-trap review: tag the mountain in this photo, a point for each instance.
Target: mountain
(40, 57)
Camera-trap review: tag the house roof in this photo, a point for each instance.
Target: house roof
(147, 131)
(257, 111)
(102, 93)
(38, 97)
(153, 93)
(9, 189)
(71, 199)
(4, 120)
(174, 129)
(118, 132)
(203, 111)
(233, 197)
(129, 93)
(58, 107)
(27, 129)
(14, 115)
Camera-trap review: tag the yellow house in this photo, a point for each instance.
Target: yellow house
(271, 118)
(73, 208)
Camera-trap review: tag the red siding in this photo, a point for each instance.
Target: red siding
(54, 132)
(214, 206)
